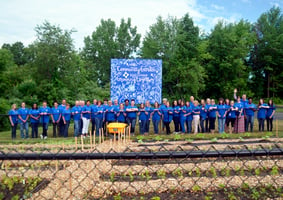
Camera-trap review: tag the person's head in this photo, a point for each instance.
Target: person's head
(44, 103)
(142, 106)
(208, 101)
(227, 101)
(77, 103)
(221, 101)
(192, 98)
(121, 106)
(182, 103)
(82, 103)
(23, 104)
(232, 103)
(238, 99)
(88, 102)
(14, 106)
(55, 104)
(156, 105)
(164, 100)
(179, 101)
(132, 102)
(147, 104)
(94, 101)
(67, 106)
(64, 101)
(260, 102)
(99, 103)
(34, 106)
(126, 102)
(250, 100)
(116, 102)
(167, 103)
(175, 103)
(212, 102)
(196, 103)
(105, 101)
(270, 102)
(244, 96)
(109, 103)
(188, 103)
(202, 102)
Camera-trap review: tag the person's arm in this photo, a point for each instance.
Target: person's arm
(52, 117)
(63, 117)
(235, 94)
(59, 118)
(11, 121)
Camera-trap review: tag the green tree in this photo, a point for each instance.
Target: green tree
(19, 52)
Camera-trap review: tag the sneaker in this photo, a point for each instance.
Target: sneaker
(45, 137)
(41, 136)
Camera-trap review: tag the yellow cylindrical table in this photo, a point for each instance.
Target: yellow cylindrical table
(117, 128)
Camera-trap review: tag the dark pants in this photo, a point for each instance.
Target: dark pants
(269, 123)
(55, 129)
(14, 130)
(212, 123)
(230, 120)
(167, 126)
(44, 129)
(202, 122)
(155, 125)
(261, 124)
(34, 130)
(92, 125)
(147, 123)
(142, 125)
(176, 123)
(66, 128)
(189, 126)
(133, 124)
(207, 125)
(98, 125)
(249, 121)
(61, 127)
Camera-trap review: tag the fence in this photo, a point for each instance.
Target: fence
(152, 171)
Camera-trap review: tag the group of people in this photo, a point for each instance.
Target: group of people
(188, 116)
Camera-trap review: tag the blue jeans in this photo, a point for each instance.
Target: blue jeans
(133, 125)
(142, 124)
(147, 123)
(221, 125)
(155, 125)
(77, 126)
(44, 129)
(24, 127)
(189, 126)
(98, 125)
(66, 128)
(202, 124)
(34, 130)
(249, 121)
(182, 123)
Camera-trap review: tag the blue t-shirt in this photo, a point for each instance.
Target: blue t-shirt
(261, 113)
(55, 113)
(14, 115)
(143, 116)
(240, 108)
(23, 112)
(67, 114)
(270, 110)
(62, 108)
(212, 111)
(34, 113)
(176, 111)
(120, 115)
(203, 112)
(98, 112)
(222, 110)
(196, 110)
(249, 109)
(167, 114)
(110, 113)
(232, 113)
(132, 115)
(156, 116)
(86, 110)
(76, 112)
(149, 110)
(189, 110)
(44, 113)
(92, 107)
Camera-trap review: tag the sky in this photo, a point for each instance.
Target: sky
(18, 18)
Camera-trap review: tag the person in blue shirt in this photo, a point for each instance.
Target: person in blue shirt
(269, 115)
(148, 109)
(183, 116)
(249, 110)
(44, 113)
(196, 116)
(212, 115)
(143, 117)
(121, 114)
(244, 101)
(221, 113)
(203, 115)
(13, 117)
(99, 116)
(231, 116)
(189, 116)
(132, 115)
(104, 122)
(110, 112)
(240, 121)
(93, 116)
(126, 105)
(55, 117)
(167, 117)
(116, 108)
(23, 119)
(261, 114)
(156, 115)
(61, 122)
(161, 107)
(227, 104)
(34, 120)
(66, 116)
(86, 115)
(176, 116)
(207, 115)
(76, 113)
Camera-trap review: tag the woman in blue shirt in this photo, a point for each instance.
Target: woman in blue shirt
(176, 116)
(148, 109)
(221, 112)
(231, 116)
(132, 115)
(261, 114)
(121, 114)
(189, 116)
(269, 115)
(66, 116)
(167, 117)
(155, 117)
(13, 117)
(212, 115)
(34, 120)
(183, 116)
(249, 110)
(203, 115)
(98, 112)
(143, 116)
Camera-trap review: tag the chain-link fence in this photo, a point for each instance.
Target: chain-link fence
(144, 171)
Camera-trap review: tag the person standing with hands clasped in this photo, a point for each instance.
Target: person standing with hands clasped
(232, 114)
(55, 116)
(23, 117)
(66, 116)
(196, 116)
(44, 112)
(269, 115)
(167, 117)
(34, 120)
(221, 112)
(249, 110)
(132, 115)
(156, 115)
(261, 114)
(143, 116)
(13, 117)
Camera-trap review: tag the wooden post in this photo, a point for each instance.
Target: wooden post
(76, 142)
(94, 136)
(90, 139)
(129, 133)
(63, 146)
(102, 134)
(124, 133)
(99, 139)
(82, 141)
(277, 128)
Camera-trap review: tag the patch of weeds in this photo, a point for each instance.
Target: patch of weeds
(214, 140)
(178, 172)
(177, 137)
(158, 138)
(196, 188)
(161, 174)
(274, 171)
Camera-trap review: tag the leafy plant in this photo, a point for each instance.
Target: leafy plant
(198, 172)
(177, 137)
(213, 172)
(241, 139)
(155, 198)
(118, 197)
(257, 171)
(158, 138)
(178, 172)
(112, 177)
(214, 140)
(196, 188)
(274, 171)
(224, 135)
(161, 174)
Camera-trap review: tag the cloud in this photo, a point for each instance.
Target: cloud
(216, 7)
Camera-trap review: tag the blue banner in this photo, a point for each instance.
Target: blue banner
(139, 79)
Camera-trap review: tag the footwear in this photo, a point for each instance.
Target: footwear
(45, 137)
(41, 136)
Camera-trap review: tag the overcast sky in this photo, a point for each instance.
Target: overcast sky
(18, 18)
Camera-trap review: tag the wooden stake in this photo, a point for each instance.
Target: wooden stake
(76, 142)
(124, 135)
(82, 141)
(277, 128)
(99, 139)
(94, 135)
(90, 139)
(102, 133)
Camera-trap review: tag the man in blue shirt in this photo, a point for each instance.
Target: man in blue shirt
(76, 112)
(250, 108)
(55, 116)
(86, 114)
(93, 115)
(132, 115)
(23, 118)
(13, 117)
(66, 116)
(62, 107)
(44, 113)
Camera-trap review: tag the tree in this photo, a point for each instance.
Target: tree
(106, 42)
(19, 52)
